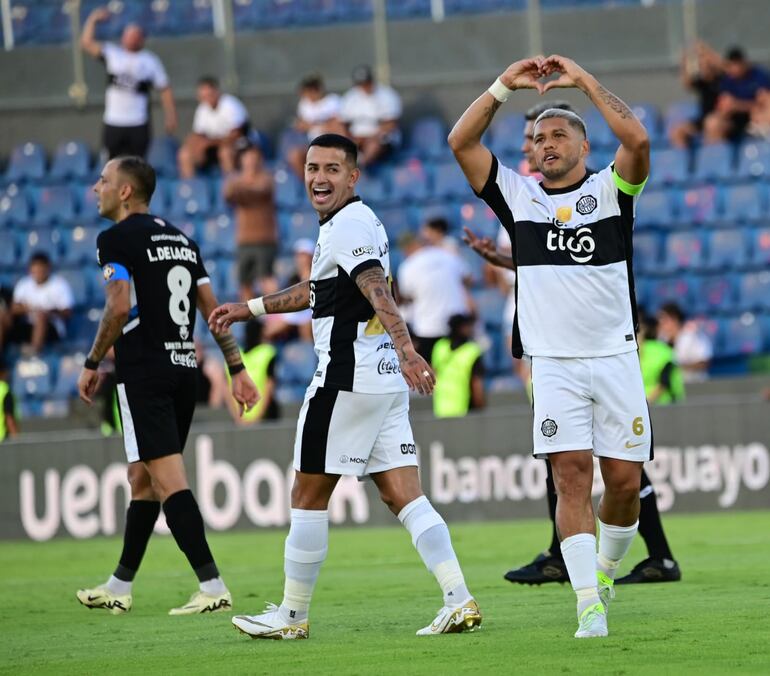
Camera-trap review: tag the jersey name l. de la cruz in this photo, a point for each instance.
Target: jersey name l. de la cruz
(164, 269)
(573, 250)
(355, 354)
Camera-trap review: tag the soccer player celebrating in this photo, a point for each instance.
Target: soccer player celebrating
(355, 417)
(575, 315)
(154, 278)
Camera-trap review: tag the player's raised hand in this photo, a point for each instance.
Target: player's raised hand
(100, 14)
(416, 371)
(244, 392)
(223, 316)
(483, 246)
(524, 74)
(88, 382)
(570, 74)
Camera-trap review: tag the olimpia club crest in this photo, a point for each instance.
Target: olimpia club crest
(586, 204)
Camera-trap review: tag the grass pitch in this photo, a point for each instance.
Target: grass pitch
(374, 593)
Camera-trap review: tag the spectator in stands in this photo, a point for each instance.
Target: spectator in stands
(250, 192)
(738, 88)
(220, 122)
(6, 319)
(259, 358)
(371, 112)
(291, 325)
(132, 72)
(701, 72)
(41, 303)
(435, 283)
(434, 232)
(692, 349)
(663, 379)
(318, 112)
(459, 366)
(213, 388)
(9, 426)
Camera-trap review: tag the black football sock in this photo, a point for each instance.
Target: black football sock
(555, 546)
(141, 516)
(186, 524)
(650, 525)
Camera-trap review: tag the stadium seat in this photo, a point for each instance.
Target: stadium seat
(32, 378)
(669, 166)
(745, 202)
(189, 197)
(373, 188)
(79, 245)
(297, 225)
(742, 336)
(8, 252)
(726, 249)
(162, 155)
(288, 190)
(428, 138)
(217, 236)
(681, 290)
(54, 204)
(655, 208)
(297, 363)
(449, 182)
(715, 293)
(599, 133)
(647, 252)
(760, 248)
(41, 239)
(754, 293)
(397, 221)
(86, 199)
(649, 116)
(15, 207)
(477, 216)
(410, 182)
(683, 251)
(699, 206)
(489, 306)
(27, 163)
(506, 134)
(714, 163)
(72, 160)
(450, 211)
(66, 384)
(679, 112)
(754, 159)
(79, 283)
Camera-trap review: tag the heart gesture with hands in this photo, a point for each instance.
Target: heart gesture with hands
(530, 73)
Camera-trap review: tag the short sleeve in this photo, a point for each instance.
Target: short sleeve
(354, 246)
(199, 120)
(500, 191)
(112, 256)
(236, 113)
(159, 75)
(109, 52)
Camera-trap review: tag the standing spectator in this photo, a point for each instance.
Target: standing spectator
(663, 380)
(250, 192)
(41, 303)
(220, 121)
(291, 325)
(738, 89)
(212, 387)
(701, 72)
(434, 232)
(259, 358)
(433, 280)
(459, 366)
(692, 349)
(132, 72)
(9, 426)
(371, 112)
(318, 112)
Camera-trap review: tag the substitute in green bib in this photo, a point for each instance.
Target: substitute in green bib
(457, 361)
(662, 377)
(8, 422)
(259, 360)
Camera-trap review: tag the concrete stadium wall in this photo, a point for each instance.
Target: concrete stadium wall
(710, 456)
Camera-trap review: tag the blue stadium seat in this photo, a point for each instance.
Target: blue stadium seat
(745, 202)
(162, 155)
(32, 378)
(297, 363)
(54, 204)
(683, 251)
(410, 182)
(297, 225)
(477, 216)
(715, 293)
(428, 138)
(713, 329)
(373, 188)
(647, 252)
(754, 293)
(27, 163)
(288, 189)
(489, 306)
(760, 247)
(41, 239)
(681, 290)
(649, 116)
(714, 163)
(72, 160)
(217, 236)
(449, 182)
(655, 208)
(669, 166)
(8, 252)
(764, 321)
(189, 197)
(15, 207)
(754, 159)
(450, 211)
(699, 206)
(599, 132)
(600, 158)
(506, 134)
(79, 245)
(726, 249)
(83, 325)
(742, 336)
(397, 221)
(159, 204)
(66, 384)
(227, 286)
(87, 199)
(81, 289)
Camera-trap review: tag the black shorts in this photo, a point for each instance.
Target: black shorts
(255, 261)
(156, 414)
(126, 140)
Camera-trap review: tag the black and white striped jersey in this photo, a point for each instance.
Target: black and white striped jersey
(572, 248)
(354, 352)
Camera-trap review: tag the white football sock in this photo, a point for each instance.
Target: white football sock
(119, 587)
(215, 586)
(430, 537)
(614, 543)
(305, 551)
(579, 552)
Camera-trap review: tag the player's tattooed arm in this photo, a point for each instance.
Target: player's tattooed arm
(293, 299)
(414, 368)
(114, 318)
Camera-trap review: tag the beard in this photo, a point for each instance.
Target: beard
(555, 173)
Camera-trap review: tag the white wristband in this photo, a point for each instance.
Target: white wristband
(500, 91)
(257, 306)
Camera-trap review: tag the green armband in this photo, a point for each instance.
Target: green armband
(626, 187)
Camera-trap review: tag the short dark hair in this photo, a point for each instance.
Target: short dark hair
(141, 173)
(208, 81)
(338, 141)
(573, 119)
(535, 111)
(312, 81)
(673, 310)
(40, 257)
(438, 223)
(735, 53)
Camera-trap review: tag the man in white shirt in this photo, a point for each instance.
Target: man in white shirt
(220, 121)
(132, 72)
(371, 112)
(692, 348)
(41, 304)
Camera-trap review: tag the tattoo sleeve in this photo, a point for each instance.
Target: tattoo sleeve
(111, 324)
(294, 298)
(375, 289)
(612, 101)
(229, 348)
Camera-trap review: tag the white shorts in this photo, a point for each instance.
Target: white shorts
(595, 403)
(353, 434)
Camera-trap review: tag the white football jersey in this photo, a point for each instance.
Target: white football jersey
(355, 354)
(573, 250)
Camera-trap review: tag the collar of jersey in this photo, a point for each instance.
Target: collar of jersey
(329, 217)
(569, 188)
